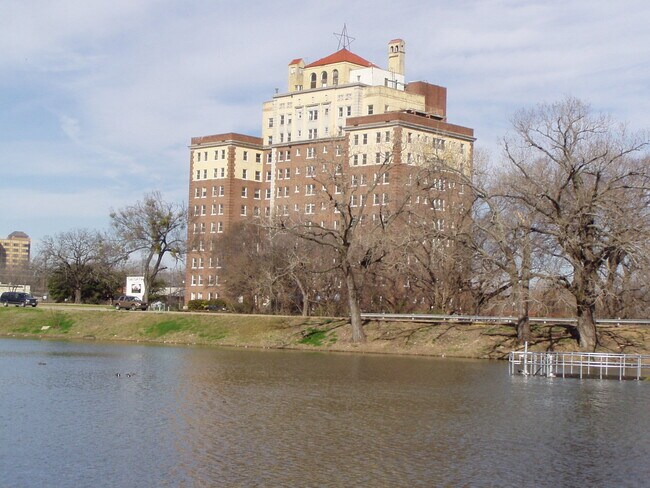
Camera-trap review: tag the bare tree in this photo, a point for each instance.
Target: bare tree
(576, 172)
(153, 228)
(359, 218)
(78, 256)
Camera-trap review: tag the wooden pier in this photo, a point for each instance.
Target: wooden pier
(580, 365)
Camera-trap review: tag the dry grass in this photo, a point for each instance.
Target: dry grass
(264, 331)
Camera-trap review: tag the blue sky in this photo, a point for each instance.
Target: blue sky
(99, 100)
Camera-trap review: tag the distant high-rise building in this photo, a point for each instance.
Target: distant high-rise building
(341, 109)
(14, 250)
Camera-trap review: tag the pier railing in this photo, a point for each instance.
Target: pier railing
(580, 364)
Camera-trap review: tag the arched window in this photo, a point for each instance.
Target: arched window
(323, 79)
(313, 80)
(335, 77)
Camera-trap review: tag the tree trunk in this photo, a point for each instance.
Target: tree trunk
(587, 327)
(305, 297)
(523, 319)
(77, 295)
(358, 335)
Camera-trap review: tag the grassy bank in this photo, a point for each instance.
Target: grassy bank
(263, 331)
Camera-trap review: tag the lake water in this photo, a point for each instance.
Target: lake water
(187, 416)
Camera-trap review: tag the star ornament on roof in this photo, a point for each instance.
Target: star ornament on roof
(344, 39)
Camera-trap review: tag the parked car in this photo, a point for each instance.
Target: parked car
(130, 303)
(17, 298)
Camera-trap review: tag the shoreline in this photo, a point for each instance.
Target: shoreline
(296, 333)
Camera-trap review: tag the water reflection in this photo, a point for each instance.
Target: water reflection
(218, 417)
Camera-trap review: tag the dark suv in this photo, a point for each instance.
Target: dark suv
(130, 303)
(18, 298)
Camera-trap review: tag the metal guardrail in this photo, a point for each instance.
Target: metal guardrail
(580, 364)
(472, 319)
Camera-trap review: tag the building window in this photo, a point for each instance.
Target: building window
(355, 160)
(257, 193)
(246, 154)
(223, 172)
(267, 194)
(222, 190)
(204, 192)
(310, 152)
(323, 79)
(258, 176)
(387, 136)
(213, 228)
(313, 133)
(349, 110)
(258, 158)
(309, 208)
(378, 137)
(365, 138)
(268, 175)
(244, 192)
(356, 139)
(214, 209)
(310, 189)
(219, 227)
(312, 81)
(371, 109)
(271, 122)
(244, 210)
(335, 77)
(220, 209)
(312, 114)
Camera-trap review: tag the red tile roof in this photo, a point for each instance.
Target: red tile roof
(340, 57)
(295, 61)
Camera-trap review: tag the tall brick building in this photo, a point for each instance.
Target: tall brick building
(14, 250)
(340, 111)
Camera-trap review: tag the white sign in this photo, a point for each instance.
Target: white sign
(135, 286)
